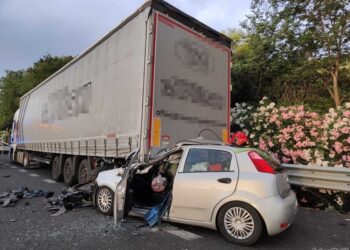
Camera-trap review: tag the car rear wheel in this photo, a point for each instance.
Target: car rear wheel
(240, 223)
(68, 172)
(104, 200)
(56, 169)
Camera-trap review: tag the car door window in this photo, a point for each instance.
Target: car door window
(207, 160)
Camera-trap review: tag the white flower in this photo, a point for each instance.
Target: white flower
(322, 191)
(252, 136)
(347, 105)
(271, 105)
(340, 201)
(262, 109)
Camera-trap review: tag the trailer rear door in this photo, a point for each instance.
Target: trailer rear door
(190, 85)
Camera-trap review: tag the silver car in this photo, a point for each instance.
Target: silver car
(238, 191)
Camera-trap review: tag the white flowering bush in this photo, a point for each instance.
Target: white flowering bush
(295, 135)
(337, 135)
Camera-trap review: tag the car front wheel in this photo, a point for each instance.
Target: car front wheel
(104, 200)
(240, 223)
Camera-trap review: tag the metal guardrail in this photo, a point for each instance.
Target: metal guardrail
(332, 178)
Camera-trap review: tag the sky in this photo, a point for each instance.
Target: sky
(31, 29)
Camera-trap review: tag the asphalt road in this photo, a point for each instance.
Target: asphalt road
(29, 226)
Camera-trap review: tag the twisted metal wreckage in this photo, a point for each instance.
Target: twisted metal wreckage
(70, 198)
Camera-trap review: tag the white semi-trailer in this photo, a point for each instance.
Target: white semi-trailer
(158, 78)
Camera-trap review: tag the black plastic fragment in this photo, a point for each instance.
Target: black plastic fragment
(71, 198)
(10, 198)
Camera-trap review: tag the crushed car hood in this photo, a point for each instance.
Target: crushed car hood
(109, 178)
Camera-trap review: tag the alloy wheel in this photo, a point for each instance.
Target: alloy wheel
(239, 223)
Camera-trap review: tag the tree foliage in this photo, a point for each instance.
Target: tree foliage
(293, 51)
(16, 83)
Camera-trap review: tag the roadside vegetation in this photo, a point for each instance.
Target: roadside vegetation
(16, 83)
(294, 52)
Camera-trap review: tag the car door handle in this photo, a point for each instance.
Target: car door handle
(225, 180)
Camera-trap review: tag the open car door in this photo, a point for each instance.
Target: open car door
(121, 192)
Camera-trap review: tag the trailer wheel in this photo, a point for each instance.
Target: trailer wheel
(56, 169)
(12, 156)
(83, 176)
(26, 160)
(68, 172)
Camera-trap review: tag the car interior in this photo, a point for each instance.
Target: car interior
(150, 184)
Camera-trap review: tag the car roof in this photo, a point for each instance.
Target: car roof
(199, 141)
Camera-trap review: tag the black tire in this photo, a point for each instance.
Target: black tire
(232, 230)
(56, 170)
(83, 173)
(26, 160)
(68, 172)
(11, 156)
(105, 200)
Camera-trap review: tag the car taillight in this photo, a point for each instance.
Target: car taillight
(261, 165)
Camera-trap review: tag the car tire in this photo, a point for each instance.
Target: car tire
(105, 200)
(56, 171)
(240, 223)
(68, 172)
(83, 173)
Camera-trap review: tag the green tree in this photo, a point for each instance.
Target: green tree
(9, 96)
(308, 40)
(16, 83)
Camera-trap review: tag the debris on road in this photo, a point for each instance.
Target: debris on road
(10, 198)
(71, 198)
(6, 176)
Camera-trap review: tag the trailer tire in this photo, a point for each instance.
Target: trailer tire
(26, 160)
(12, 156)
(56, 170)
(68, 172)
(83, 172)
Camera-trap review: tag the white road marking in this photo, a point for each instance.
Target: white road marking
(34, 175)
(7, 164)
(49, 181)
(23, 170)
(14, 167)
(183, 234)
